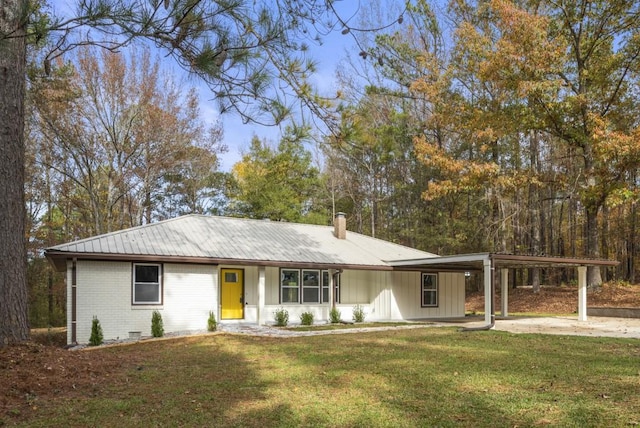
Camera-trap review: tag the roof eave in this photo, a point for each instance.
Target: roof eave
(474, 262)
(59, 259)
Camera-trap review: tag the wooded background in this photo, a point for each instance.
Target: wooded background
(480, 126)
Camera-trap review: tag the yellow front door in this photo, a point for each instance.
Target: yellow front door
(232, 294)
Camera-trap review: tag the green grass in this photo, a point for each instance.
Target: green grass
(401, 378)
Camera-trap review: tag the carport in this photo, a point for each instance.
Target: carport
(488, 263)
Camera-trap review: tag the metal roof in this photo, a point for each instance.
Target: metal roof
(209, 239)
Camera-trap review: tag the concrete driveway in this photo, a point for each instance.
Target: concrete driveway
(594, 326)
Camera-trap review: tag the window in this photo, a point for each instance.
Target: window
(306, 286)
(310, 286)
(429, 289)
(147, 286)
(325, 287)
(289, 285)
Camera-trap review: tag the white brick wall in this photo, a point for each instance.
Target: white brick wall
(191, 291)
(104, 290)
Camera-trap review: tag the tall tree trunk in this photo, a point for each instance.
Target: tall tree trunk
(631, 246)
(14, 325)
(50, 300)
(592, 205)
(605, 234)
(593, 245)
(535, 209)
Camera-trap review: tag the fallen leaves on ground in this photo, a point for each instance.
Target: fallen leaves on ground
(561, 300)
(33, 373)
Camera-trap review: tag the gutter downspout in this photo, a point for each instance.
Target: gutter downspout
(488, 281)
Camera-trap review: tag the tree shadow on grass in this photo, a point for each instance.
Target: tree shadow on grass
(411, 378)
(181, 382)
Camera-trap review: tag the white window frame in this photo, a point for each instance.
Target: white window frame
(284, 287)
(325, 286)
(135, 283)
(321, 287)
(432, 290)
(317, 287)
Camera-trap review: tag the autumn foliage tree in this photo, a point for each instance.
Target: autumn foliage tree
(119, 136)
(523, 119)
(530, 75)
(111, 143)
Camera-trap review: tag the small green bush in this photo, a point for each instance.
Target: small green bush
(358, 313)
(282, 317)
(96, 337)
(334, 316)
(157, 329)
(306, 318)
(212, 324)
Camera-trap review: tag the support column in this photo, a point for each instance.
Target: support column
(217, 293)
(488, 295)
(582, 293)
(261, 293)
(504, 292)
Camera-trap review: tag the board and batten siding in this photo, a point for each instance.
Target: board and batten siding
(104, 290)
(384, 295)
(407, 291)
(370, 289)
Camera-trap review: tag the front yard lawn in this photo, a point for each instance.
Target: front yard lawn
(400, 378)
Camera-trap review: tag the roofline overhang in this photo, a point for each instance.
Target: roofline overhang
(59, 261)
(474, 262)
(553, 260)
(455, 263)
(460, 258)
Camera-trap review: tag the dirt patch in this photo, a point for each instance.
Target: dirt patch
(560, 300)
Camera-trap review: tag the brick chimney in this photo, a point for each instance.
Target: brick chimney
(340, 226)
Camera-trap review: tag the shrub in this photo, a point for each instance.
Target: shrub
(334, 316)
(358, 313)
(282, 317)
(212, 325)
(96, 337)
(306, 318)
(157, 329)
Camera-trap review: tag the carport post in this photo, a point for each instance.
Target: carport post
(488, 290)
(582, 293)
(261, 293)
(504, 292)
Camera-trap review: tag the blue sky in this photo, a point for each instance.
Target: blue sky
(237, 136)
